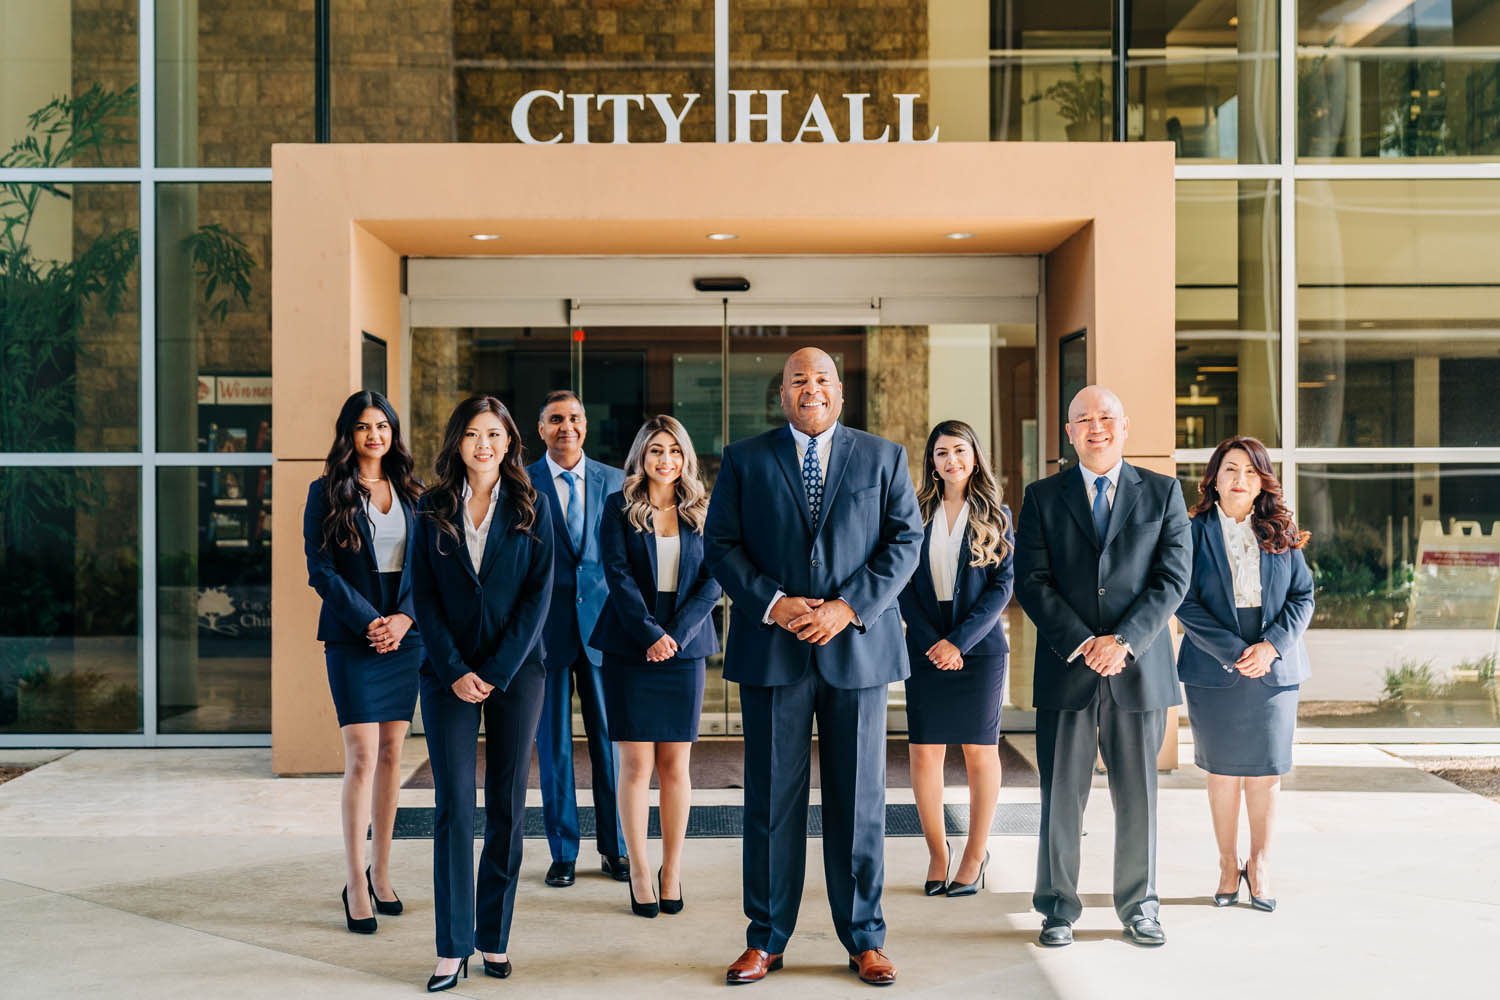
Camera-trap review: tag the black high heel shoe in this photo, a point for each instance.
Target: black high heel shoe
(667, 905)
(970, 888)
(1262, 903)
(381, 906)
(500, 970)
(364, 925)
(1229, 898)
(437, 984)
(643, 909)
(936, 887)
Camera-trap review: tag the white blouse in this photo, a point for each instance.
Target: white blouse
(668, 554)
(1244, 559)
(476, 536)
(943, 550)
(389, 532)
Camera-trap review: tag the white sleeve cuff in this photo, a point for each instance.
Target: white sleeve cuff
(766, 618)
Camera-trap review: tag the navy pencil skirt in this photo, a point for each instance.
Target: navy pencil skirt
(954, 706)
(1243, 730)
(375, 687)
(653, 702)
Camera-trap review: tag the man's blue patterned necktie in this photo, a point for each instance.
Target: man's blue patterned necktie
(574, 513)
(1101, 507)
(812, 480)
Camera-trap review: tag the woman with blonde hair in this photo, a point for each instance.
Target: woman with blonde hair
(956, 643)
(656, 630)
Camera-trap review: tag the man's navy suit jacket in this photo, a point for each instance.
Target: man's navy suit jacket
(760, 539)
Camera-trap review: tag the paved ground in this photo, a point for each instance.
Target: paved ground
(192, 873)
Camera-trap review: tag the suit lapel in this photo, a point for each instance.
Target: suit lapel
(786, 457)
(690, 557)
(1127, 492)
(925, 589)
(499, 527)
(1076, 499)
(1269, 566)
(838, 461)
(1214, 534)
(648, 539)
(593, 503)
(366, 536)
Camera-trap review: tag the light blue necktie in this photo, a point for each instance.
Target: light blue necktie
(1101, 507)
(812, 480)
(575, 513)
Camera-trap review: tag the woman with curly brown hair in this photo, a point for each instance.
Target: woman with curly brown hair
(483, 580)
(355, 529)
(1242, 658)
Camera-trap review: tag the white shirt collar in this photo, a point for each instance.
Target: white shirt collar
(576, 471)
(1113, 475)
(1228, 524)
(469, 490)
(802, 438)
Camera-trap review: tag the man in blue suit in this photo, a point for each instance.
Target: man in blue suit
(576, 487)
(813, 531)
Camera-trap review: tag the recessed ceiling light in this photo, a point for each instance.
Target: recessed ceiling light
(723, 236)
(485, 236)
(958, 236)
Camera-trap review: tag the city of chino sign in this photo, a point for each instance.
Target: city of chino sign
(673, 110)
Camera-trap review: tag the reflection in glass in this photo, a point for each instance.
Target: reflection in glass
(69, 317)
(1051, 68)
(1398, 339)
(1228, 371)
(1204, 76)
(213, 352)
(70, 591)
(213, 530)
(1398, 80)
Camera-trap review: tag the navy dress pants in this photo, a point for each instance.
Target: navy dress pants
(851, 752)
(554, 751)
(471, 916)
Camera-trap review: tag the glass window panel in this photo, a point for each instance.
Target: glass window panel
(70, 597)
(213, 349)
(1228, 312)
(1204, 76)
(1406, 611)
(70, 317)
(1051, 68)
(1398, 80)
(405, 72)
(232, 78)
(81, 54)
(1398, 336)
(213, 536)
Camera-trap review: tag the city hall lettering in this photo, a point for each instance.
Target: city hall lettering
(750, 106)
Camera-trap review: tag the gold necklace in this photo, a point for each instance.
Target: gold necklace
(367, 479)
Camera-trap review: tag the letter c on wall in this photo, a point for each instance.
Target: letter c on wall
(519, 114)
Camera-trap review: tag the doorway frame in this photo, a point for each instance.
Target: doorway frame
(345, 217)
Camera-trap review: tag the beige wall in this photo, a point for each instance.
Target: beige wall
(343, 215)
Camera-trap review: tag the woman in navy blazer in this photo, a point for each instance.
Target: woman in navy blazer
(356, 530)
(655, 630)
(1242, 657)
(956, 644)
(483, 571)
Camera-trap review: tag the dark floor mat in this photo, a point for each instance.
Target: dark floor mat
(1012, 819)
(721, 764)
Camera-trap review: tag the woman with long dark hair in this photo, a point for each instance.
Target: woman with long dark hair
(356, 528)
(1242, 657)
(956, 644)
(483, 569)
(655, 631)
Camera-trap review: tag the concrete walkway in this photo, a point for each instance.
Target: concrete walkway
(192, 873)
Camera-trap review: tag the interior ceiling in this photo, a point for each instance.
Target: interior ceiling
(454, 237)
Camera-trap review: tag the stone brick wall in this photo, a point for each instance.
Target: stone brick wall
(442, 376)
(392, 71)
(897, 386)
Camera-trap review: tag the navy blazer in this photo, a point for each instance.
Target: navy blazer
(627, 626)
(488, 622)
(760, 539)
(1073, 587)
(348, 581)
(578, 587)
(1212, 641)
(980, 594)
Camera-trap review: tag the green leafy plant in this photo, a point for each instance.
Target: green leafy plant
(1079, 100)
(1410, 681)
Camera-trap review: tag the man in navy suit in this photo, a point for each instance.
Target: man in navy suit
(576, 487)
(1103, 557)
(813, 531)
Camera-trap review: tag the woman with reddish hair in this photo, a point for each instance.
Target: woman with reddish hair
(1242, 658)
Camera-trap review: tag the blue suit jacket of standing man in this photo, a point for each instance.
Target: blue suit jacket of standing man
(760, 539)
(578, 587)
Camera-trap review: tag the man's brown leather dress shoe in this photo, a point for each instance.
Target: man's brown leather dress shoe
(874, 967)
(751, 967)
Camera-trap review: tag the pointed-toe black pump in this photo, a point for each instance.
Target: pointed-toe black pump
(1229, 898)
(381, 906)
(500, 970)
(364, 925)
(438, 984)
(1263, 903)
(667, 905)
(970, 888)
(935, 886)
(643, 909)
